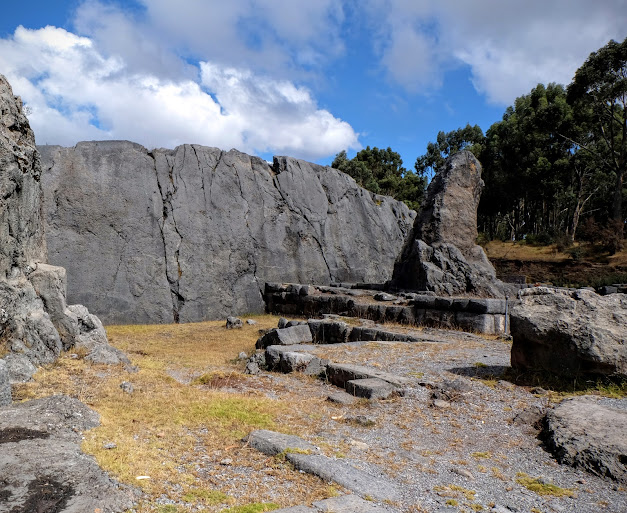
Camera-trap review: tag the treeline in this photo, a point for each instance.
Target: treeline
(554, 166)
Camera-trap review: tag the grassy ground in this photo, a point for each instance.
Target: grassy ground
(579, 266)
(190, 404)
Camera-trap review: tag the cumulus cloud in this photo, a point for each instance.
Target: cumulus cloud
(508, 46)
(77, 93)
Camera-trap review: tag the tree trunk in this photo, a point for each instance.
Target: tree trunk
(617, 204)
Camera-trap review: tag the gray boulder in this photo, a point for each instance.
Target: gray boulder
(233, 323)
(299, 334)
(570, 332)
(41, 463)
(193, 233)
(585, 433)
(442, 255)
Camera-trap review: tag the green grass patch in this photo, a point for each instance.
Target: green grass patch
(211, 497)
(255, 507)
(536, 485)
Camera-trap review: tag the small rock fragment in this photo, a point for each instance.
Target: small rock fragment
(233, 323)
(463, 472)
(127, 387)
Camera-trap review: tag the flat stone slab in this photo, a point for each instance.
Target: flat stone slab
(585, 433)
(340, 373)
(350, 504)
(272, 443)
(342, 397)
(343, 504)
(370, 388)
(349, 477)
(299, 334)
(43, 467)
(340, 472)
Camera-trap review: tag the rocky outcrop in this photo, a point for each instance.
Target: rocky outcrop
(21, 224)
(443, 256)
(42, 466)
(570, 332)
(194, 233)
(35, 322)
(585, 433)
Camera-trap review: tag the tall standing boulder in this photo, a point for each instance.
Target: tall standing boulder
(443, 255)
(35, 322)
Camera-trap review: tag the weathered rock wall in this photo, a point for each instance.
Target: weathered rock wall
(21, 224)
(35, 321)
(194, 233)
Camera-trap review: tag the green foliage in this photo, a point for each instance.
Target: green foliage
(382, 172)
(599, 95)
(468, 138)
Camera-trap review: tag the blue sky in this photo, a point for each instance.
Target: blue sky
(289, 77)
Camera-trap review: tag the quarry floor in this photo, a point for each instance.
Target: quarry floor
(182, 427)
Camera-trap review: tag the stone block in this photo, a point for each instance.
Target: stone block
(370, 388)
(300, 334)
(490, 306)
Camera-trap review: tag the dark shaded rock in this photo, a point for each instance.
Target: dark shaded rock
(443, 256)
(587, 434)
(43, 467)
(193, 233)
(531, 417)
(570, 332)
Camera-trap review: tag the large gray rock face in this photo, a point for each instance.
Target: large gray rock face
(585, 433)
(35, 322)
(21, 224)
(443, 256)
(570, 332)
(194, 233)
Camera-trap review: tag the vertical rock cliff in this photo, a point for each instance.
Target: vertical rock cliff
(194, 233)
(35, 321)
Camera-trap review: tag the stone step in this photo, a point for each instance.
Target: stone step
(371, 388)
(304, 456)
(339, 374)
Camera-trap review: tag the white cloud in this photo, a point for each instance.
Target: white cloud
(77, 93)
(509, 46)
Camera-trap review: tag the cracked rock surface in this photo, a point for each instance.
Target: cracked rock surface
(193, 233)
(42, 467)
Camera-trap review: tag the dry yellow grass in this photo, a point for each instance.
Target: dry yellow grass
(525, 252)
(177, 431)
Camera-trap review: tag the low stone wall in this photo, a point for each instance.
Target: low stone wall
(488, 316)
